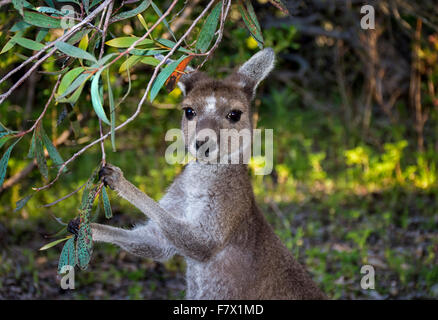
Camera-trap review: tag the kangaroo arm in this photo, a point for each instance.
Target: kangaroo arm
(188, 237)
(145, 241)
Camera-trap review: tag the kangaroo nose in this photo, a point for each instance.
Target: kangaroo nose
(199, 143)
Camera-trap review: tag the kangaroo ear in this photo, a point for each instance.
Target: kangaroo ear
(188, 81)
(252, 72)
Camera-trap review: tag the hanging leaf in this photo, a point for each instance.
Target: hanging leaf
(86, 4)
(162, 77)
(31, 153)
(4, 162)
(86, 196)
(208, 29)
(75, 96)
(20, 26)
(68, 255)
(279, 4)
(131, 13)
(19, 5)
(53, 243)
(40, 157)
(75, 84)
(96, 99)
(8, 46)
(73, 51)
(21, 203)
(142, 21)
(150, 61)
(84, 245)
(28, 43)
(51, 149)
(42, 20)
(130, 62)
(83, 44)
(176, 75)
(68, 78)
(78, 36)
(159, 13)
(4, 139)
(251, 21)
(126, 42)
(106, 204)
(41, 34)
(112, 111)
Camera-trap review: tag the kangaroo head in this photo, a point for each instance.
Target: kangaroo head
(221, 108)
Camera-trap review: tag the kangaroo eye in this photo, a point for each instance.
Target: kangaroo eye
(234, 115)
(190, 113)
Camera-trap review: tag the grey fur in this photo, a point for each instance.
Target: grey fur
(209, 214)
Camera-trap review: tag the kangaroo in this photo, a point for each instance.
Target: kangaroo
(209, 214)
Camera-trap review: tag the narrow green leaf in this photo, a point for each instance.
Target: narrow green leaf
(74, 97)
(150, 61)
(49, 10)
(84, 246)
(162, 77)
(41, 34)
(209, 28)
(28, 43)
(41, 20)
(112, 111)
(20, 26)
(19, 5)
(53, 243)
(75, 84)
(130, 62)
(126, 42)
(21, 203)
(78, 36)
(4, 162)
(73, 51)
(96, 100)
(106, 204)
(8, 46)
(279, 4)
(4, 139)
(253, 26)
(31, 153)
(68, 78)
(159, 13)
(131, 13)
(40, 157)
(51, 149)
(68, 255)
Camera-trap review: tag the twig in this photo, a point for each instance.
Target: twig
(65, 197)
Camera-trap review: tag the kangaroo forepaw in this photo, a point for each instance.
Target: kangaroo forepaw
(73, 226)
(110, 175)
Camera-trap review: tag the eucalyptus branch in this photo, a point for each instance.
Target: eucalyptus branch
(64, 37)
(140, 104)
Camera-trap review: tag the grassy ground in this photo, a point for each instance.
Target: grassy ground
(333, 235)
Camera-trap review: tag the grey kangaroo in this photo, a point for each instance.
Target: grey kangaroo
(209, 215)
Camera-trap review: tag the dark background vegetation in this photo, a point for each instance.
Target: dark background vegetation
(355, 119)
